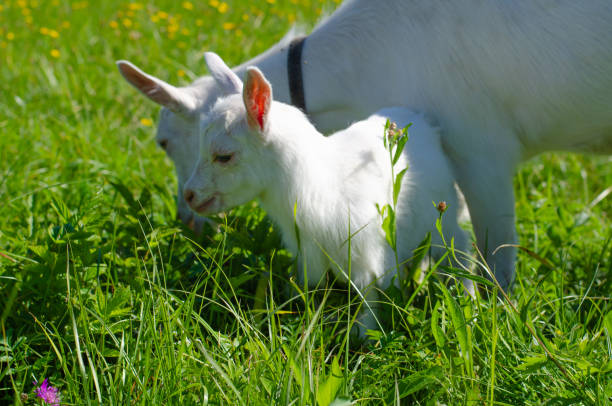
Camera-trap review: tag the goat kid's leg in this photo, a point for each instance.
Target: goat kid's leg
(488, 191)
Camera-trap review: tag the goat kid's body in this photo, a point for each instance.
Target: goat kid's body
(329, 188)
(505, 80)
(335, 184)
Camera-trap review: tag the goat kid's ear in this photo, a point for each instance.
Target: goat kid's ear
(229, 82)
(175, 99)
(257, 97)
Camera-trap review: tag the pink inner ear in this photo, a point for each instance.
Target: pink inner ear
(258, 101)
(261, 109)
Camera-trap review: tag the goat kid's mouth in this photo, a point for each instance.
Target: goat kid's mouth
(204, 206)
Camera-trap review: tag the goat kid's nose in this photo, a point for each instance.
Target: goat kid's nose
(189, 195)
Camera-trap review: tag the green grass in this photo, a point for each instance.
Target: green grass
(105, 294)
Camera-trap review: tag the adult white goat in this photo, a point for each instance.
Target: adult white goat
(505, 80)
(329, 187)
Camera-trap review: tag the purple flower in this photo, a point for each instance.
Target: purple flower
(48, 393)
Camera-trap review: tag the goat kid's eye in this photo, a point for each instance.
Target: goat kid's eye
(222, 158)
(163, 144)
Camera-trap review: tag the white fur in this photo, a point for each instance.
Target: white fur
(505, 80)
(333, 182)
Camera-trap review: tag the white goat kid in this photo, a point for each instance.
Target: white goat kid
(253, 147)
(505, 80)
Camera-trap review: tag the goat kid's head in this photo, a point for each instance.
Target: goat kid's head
(233, 161)
(182, 110)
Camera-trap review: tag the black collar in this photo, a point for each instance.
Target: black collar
(294, 70)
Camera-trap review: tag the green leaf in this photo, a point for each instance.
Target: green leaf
(460, 273)
(606, 366)
(460, 327)
(418, 255)
(532, 364)
(296, 227)
(401, 143)
(439, 225)
(418, 381)
(397, 184)
(297, 372)
(436, 331)
(327, 392)
(60, 208)
(388, 225)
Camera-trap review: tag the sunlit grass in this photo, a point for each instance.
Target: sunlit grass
(112, 300)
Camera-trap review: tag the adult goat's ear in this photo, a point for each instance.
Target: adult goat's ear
(227, 80)
(176, 99)
(257, 97)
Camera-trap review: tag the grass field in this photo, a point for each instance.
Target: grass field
(105, 294)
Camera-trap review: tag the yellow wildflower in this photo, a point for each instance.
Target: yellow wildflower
(271, 1)
(187, 5)
(53, 34)
(199, 22)
(162, 14)
(113, 24)
(147, 122)
(154, 18)
(127, 22)
(135, 6)
(222, 7)
(10, 36)
(185, 31)
(55, 53)
(229, 26)
(181, 73)
(65, 24)
(44, 30)
(245, 17)
(214, 3)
